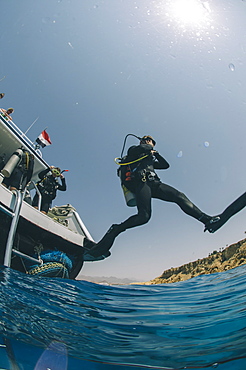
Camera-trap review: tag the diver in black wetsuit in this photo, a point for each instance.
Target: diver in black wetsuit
(48, 186)
(230, 211)
(145, 184)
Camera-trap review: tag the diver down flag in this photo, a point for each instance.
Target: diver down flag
(43, 139)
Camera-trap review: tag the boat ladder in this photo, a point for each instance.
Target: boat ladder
(15, 214)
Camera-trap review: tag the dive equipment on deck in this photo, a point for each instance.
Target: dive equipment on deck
(12, 163)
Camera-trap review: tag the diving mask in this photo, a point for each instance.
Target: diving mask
(56, 172)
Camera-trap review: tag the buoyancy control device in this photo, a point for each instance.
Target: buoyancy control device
(126, 174)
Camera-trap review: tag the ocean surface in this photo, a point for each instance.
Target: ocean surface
(55, 324)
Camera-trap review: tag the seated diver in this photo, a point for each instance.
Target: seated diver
(145, 184)
(230, 211)
(6, 113)
(48, 186)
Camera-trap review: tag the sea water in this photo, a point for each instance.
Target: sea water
(55, 324)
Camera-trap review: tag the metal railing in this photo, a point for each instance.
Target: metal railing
(19, 197)
(39, 194)
(22, 137)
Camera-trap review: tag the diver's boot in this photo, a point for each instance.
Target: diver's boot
(204, 218)
(115, 230)
(108, 239)
(101, 249)
(214, 224)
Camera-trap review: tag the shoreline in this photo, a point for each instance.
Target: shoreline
(232, 256)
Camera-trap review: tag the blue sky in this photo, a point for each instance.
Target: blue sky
(94, 71)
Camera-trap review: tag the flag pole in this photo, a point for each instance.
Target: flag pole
(31, 126)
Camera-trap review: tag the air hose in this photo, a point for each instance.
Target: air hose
(124, 144)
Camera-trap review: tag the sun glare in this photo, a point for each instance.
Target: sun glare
(190, 12)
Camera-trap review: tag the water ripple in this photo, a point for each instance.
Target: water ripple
(199, 323)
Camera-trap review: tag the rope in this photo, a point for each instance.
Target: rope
(53, 268)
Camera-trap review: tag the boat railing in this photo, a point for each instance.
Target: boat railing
(71, 219)
(17, 199)
(21, 134)
(19, 196)
(39, 194)
(82, 226)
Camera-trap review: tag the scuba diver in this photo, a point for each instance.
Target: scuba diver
(6, 113)
(48, 186)
(230, 211)
(139, 177)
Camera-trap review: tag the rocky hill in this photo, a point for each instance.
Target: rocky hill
(231, 257)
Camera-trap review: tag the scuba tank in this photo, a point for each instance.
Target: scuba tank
(12, 163)
(129, 196)
(126, 173)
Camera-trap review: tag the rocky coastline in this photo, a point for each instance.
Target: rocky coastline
(226, 259)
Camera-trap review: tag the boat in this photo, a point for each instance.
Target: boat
(32, 242)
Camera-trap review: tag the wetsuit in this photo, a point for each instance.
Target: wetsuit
(230, 211)
(145, 184)
(48, 187)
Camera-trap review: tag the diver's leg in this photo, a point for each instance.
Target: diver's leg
(170, 194)
(143, 199)
(230, 211)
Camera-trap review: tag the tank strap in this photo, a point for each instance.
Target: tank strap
(27, 160)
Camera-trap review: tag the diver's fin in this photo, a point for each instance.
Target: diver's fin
(87, 257)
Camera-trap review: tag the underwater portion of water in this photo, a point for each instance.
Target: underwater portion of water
(60, 324)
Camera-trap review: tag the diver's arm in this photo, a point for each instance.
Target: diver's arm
(62, 186)
(42, 174)
(160, 163)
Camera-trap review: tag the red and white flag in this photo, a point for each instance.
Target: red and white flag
(43, 140)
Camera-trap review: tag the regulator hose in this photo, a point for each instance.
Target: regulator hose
(123, 148)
